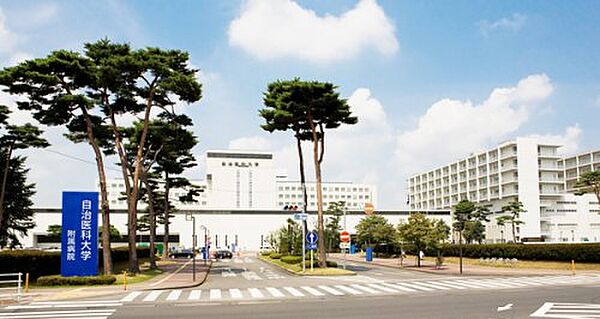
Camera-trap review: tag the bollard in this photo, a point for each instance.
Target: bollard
(125, 280)
(26, 282)
(573, 266)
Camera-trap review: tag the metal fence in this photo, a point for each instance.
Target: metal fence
(14, 282)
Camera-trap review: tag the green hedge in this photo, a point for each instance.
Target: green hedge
(265, 253)
(291, 259)
(275, 255)
(57, 280)
(547, 252)
(330, 264)
(42, 263)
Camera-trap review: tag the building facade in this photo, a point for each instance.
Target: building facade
(242, 199)
(525, 170)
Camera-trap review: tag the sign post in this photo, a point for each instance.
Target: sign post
(311, 239)
(79, 250)
(302, 217)
(345, 243)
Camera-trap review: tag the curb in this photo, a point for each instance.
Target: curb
(353, 273)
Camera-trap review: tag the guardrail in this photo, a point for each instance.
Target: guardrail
(16, 283)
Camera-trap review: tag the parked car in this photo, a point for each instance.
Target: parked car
(265, 249)
(223, 253)
(184, 253)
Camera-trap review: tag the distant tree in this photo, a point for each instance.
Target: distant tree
(54, 231)
(114, 232)
(18, 215)
(333, 227)
(474, 232)
(423, 233)
(375, 230)
(514, 210)
(464, 212)
(589, 182)
(314, 107)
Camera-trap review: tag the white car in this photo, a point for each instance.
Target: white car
(265, 249)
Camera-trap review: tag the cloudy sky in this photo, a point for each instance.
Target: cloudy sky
(430, 81)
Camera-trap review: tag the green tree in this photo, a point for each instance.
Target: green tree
(18, 215)
(589, 183)
(15, 137)
(375, 230)
(464, 212)
(114, 232)
(59, 90)
(474, 232)
(311, 107)
(333, 227)
(54, 231)
(423, 233)
(514, 210)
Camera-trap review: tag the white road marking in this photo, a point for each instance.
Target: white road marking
(294, 292)
(399, 287)
(274, 292)
(215, 294)
(349, 290)
(383, 288)
(331, 290)
(255, 293)
(434, 286)
(415, 286)
(131, 296)
(366, 289)
(174, 295)
(312, 291)
(153, 295)
(195, 295)
(504, 308)
(438, 283)
(60, 314)
(235, 293)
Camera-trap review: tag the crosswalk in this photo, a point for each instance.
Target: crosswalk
(63, 309)
(567, 310)
(354, 289)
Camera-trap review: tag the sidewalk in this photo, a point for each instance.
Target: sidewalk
(176, 276)
(453, 269)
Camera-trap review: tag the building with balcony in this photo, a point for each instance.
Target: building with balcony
(523, 169)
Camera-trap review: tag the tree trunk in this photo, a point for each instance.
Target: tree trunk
(512, 224)
(134, 266)
(152, 221)
(302, 183)
(166, 216)
(105, 209)
(418, 257)
(320, 228)
(460, 249)
(4, 182)
(128, 189)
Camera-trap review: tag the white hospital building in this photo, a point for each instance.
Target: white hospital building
(525, 170)
(244, 198)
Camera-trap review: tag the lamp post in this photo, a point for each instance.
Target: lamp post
(190, 217)
(205, 256)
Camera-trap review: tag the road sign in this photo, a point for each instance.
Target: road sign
(345, 236)
(311, 246)
(344, 245)
(79, 255)
(311, 238)
(369, 208)
(300, 216)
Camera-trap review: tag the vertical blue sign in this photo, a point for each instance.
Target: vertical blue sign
(79, 250)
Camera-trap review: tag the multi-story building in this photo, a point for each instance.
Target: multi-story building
(525, 170)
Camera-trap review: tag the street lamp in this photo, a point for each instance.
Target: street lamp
(190, 217)
(205, 256)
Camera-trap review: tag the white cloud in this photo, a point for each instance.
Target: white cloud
(282, 28)
(513, 23)
(569, 140)
(254, 143)
(8, 39)
(451, 129)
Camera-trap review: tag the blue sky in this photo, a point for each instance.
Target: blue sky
(420, 75)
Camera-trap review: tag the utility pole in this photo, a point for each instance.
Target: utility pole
(189, 217)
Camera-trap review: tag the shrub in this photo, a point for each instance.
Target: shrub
(42, 263)
(265, 253)
(275, 255)
(332, 264)
(57, 280)
(291, 259)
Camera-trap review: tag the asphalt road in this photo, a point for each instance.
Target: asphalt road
(452, 305)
